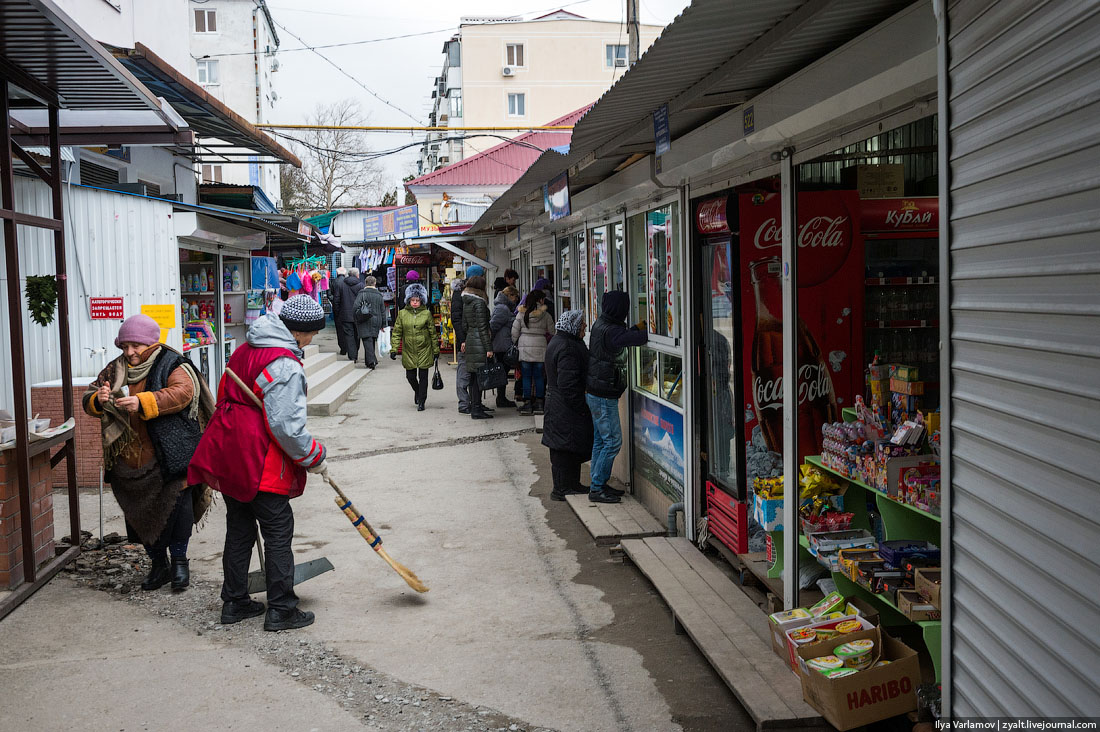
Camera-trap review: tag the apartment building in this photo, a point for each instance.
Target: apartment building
(509, 72)
(233, 44)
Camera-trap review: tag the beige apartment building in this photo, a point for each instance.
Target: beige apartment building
(507, 72)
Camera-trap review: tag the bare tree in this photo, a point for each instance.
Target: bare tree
(335, 168)
(409, 197)
(294, 191)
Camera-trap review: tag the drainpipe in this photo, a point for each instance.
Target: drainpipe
(672, 511)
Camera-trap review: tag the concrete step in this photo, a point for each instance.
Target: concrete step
(315, 363)
(326, 402)
(328, 375)
(311, 350)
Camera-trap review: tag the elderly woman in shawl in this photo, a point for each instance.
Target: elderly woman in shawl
(567, 429)
(153, 406)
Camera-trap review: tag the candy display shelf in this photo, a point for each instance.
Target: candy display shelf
(899, 521)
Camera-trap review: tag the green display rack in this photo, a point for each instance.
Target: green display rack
(899, 521)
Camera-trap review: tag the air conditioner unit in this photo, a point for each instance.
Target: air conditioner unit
(507, 71)
(620, 63)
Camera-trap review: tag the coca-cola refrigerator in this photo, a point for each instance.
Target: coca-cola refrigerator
(830, 320)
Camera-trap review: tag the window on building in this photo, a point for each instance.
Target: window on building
(211, 174)
(208, 72)
(615, 55)
(454, 54)
(206, 21)
(517, 105)
(655, 269)
(456, 102)
(513, 55)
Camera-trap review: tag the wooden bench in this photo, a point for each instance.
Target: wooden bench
(729, 629)
(610, 523)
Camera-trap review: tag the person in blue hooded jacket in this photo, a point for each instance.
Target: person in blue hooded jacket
(605, 383)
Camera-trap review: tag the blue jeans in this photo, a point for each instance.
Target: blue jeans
(533, 378)
(607, 439)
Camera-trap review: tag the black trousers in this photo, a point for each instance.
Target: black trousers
(474, 390)
(565, 467)
(276, 520)
(351, 340)
(418, 380)
(370, 352)
(178, 528)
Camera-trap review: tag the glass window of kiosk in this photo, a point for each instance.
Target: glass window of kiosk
(722, 358)
(565, 269)
(606, 245)
(581, 250)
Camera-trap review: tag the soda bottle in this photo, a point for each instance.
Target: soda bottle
(816, 397)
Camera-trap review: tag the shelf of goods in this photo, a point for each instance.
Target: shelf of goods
(899, 521)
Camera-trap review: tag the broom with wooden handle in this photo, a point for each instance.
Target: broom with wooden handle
(357, 519)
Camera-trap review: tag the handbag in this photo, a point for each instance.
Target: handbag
(365, 312)
(437, 378)
(511, 357)
(492, 376)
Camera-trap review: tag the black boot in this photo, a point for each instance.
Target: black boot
(528, 408)
(238, 610)
(287, 619)
(159, 575)
(181, 573)
(503, 401)
(539, 406)
(420, 406)
(479, 413)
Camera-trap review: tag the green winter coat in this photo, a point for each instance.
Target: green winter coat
(479, 337)
(415, 332)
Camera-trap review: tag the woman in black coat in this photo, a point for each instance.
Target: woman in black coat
(567, 429)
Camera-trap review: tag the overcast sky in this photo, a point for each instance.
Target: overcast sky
(401, 70)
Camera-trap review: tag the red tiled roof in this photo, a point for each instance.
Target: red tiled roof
(502, 164)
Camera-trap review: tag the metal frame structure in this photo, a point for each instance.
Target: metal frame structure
(49, 67)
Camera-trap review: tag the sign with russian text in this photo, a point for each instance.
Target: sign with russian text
(396, 222)
(106, 308)
(662, 136)
(900, 214)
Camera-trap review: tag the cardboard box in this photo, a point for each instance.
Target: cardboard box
(901, 372)
(779, 633)
(878, 181)
(911, 388)
(868, 696)
(793, 648)
(862, 608)
(927, 581)
(915, 607)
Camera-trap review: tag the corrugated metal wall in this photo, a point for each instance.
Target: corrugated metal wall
(1024, 237)
(117, 246)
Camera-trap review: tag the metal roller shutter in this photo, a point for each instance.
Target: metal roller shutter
(1024, 239)
(542, 252)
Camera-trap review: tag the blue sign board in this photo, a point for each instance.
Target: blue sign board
(661, 134)
(748, 120)
(659, 445)
(396, 222)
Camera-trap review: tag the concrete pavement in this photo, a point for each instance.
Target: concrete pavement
(507, 624)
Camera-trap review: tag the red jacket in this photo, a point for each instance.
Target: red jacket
(238, 455)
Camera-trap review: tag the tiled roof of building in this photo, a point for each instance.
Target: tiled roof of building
(502, 164)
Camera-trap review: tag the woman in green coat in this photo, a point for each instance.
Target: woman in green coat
(414, 332)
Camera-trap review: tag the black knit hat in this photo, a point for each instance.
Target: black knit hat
(302, 314)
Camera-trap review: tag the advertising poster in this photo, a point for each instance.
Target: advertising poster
(659, 443)
(830, 308)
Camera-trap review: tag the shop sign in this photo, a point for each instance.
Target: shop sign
(900, 214)
(830, 310)
(556, 197)
(303, 229)
(106, 308)
(164, 315)
(651, 275)
(669, 284)
(400, 221)
(659, 439)
(661, 133)
(711, 216)
(413, 260)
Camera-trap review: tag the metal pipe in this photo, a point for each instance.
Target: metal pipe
(385, 128)
(674, 509)
(789, 275)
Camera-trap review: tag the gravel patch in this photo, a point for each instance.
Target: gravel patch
(378, 700)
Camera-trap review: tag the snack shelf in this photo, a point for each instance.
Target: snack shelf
(886, 504)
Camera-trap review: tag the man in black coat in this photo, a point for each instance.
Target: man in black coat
(606, 383)
(343, 313)
(462, 376)
(567, 429)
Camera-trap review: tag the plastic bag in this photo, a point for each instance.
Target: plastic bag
(384, 342)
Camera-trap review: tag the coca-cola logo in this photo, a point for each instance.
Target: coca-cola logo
(711, 218)
(823, 245)
(814, 383)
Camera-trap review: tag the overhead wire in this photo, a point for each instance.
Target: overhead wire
(333, 45)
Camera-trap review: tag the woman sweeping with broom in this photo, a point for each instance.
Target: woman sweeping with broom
(256, 453)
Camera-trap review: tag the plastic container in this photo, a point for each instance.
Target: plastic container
(897, 552)
(784, 616)
(856, 654)
(825, 663)
(837, 673)
(802, 636)
(849, 626)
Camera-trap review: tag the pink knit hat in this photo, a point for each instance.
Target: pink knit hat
(412, 276)
(138, 329)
